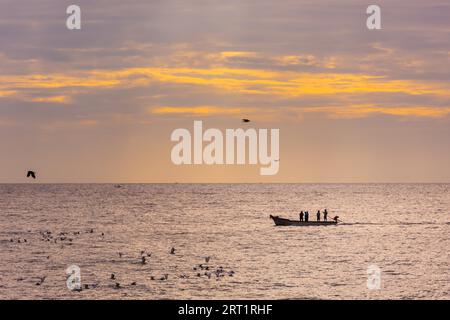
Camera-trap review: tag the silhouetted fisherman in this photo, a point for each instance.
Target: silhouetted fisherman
(325, 214)
(318, 215)
(31, 174)
(301, 215)
(306, 216)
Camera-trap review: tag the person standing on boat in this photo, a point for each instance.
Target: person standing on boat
(306, 216)
(318, 215)
(301, 215)
(325, 214)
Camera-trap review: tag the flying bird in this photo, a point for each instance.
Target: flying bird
(245, 120)
(31, 174)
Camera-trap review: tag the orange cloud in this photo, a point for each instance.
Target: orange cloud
(246, 81)
(52, 99)
(275, 85)
(198, 110)
(6, 93)
(297, 113)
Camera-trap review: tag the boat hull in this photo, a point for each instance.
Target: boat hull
(286, 222)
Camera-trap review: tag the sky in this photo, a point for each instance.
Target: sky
(99, 104)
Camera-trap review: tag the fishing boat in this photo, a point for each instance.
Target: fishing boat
(286, 222)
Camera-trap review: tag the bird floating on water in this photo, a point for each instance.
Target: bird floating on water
(165, 277)
(245, 120)
(41, 280)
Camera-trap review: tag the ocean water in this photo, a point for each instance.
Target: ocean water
(403, 229)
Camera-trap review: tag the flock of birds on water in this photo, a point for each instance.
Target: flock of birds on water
(202, 270)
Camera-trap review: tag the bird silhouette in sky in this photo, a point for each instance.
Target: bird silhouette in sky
(31, 174)
(245, 120)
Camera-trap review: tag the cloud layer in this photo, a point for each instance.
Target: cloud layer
(141, 68)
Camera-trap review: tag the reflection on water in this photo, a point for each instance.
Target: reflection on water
(106, 230)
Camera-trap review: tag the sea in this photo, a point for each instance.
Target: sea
(216, 241)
